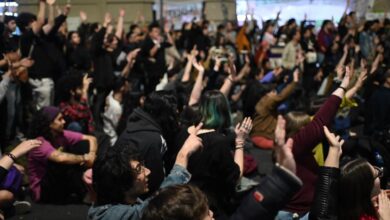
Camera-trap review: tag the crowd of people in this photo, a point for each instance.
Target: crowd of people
(148, 122)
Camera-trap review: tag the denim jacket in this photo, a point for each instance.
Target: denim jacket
(178, 175)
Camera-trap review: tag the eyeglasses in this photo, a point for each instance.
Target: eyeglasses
(379, 172)
(140, 168)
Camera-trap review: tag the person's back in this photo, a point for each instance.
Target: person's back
(213, 170)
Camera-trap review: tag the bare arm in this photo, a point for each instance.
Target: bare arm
(50, 21)
(197, 89)
(188, 68)
(86, 83)
(37, 25)
(242, 130)
(229, 81)
(20, 150)
(119, 25)
(66, 158)
(130, 62)
(359, 83)
(340, 92)
(343, 58)
(376, 62)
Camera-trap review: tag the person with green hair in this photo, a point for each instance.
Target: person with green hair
(217, 169)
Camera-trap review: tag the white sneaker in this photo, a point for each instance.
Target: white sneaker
(22, 207)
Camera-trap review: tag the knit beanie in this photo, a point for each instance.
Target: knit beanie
(51, 112)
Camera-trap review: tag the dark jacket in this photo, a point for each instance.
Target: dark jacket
(213, 170)
(146, 134)
(325, 201)
(270, 196)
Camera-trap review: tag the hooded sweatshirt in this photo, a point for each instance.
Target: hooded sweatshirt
(144, 132)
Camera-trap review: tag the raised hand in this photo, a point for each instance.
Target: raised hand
(67, 9)
(193, 142)
(83, 16)
(242, 130)
(384, 206)
(50, 2)
(194, 51)
(132, 55)
(362, 77)
(122, 12)
(197, 66)
(107, 19)
(296, 75)
(86, 81)
(335, 143)
(283, 149)
(347, 77)
(280, 131)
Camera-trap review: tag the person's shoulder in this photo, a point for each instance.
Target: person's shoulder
(118, 211)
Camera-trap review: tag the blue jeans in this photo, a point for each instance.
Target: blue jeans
(14, 111)
(284, 215)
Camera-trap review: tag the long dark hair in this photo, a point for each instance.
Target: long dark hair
(215, 111)
(162, 106)
(356, 184)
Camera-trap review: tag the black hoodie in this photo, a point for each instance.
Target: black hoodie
(143, 131)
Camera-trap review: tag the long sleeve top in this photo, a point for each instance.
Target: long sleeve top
(264, 122)
(289, 55)
(304, 142)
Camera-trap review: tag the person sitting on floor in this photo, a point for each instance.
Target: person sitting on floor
(55, 168)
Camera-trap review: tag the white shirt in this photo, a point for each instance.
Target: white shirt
(112, 114)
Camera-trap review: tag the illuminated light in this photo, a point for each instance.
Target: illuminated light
(9, 4)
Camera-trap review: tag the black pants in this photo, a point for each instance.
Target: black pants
(63, 184)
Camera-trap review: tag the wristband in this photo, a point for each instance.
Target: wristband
(237, 148)
(11, 156)
(343, 88)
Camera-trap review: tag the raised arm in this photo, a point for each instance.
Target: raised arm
(187, 70)
(50, 21)
(341, 62)
(358, 85)
(37, 25)
(242, 130)
(276, 189)
(229, 81)
(325, 198)
(119, 25)
(286, 92)
(198, 87)
(131, 57)
(310, 135)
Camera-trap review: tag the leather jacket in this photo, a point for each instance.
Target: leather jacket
(270, 196)
(325, 200)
